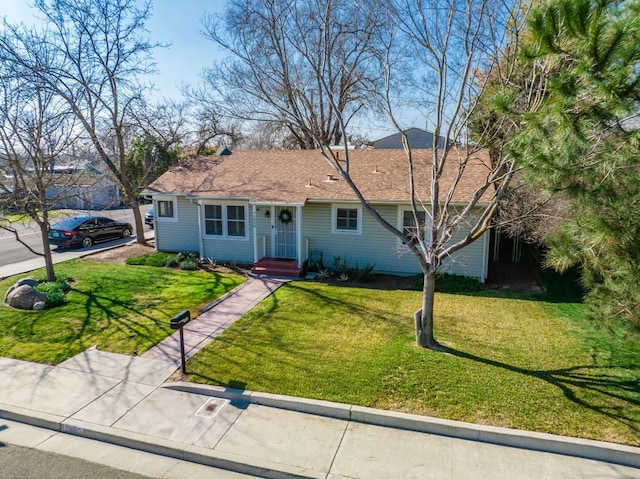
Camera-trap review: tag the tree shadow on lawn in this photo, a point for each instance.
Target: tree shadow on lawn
(624, 393)
(108, 306)
(598, 388)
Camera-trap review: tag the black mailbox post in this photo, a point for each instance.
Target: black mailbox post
(178, 322)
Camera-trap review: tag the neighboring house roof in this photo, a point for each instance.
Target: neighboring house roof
(418, 139)
(298, 176)
(86, 180)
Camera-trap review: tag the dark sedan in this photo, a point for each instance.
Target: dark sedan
(86, 230)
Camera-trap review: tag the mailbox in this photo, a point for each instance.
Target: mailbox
(180, 319)
(177, 322)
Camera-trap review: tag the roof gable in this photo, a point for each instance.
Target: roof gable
(417, 138)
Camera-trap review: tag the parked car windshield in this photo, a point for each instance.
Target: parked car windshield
(70, 223)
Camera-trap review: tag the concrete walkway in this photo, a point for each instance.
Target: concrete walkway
(126, 401)
(219, 316)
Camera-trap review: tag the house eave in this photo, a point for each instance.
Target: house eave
(276, 203)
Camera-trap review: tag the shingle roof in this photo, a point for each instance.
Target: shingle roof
(298, 176)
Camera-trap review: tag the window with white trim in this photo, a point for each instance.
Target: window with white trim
(213, 220)
(407, 221)
(225, 220)
(166, 209)
(346, 219)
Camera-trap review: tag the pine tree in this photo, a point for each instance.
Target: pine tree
(584, 140)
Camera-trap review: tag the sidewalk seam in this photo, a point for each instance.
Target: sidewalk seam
(335, 456)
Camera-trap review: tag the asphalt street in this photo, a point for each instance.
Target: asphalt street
(29, 452)
(11, 251)
(22, 463)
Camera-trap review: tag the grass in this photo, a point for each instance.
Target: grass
(121, 309)
(518, 362)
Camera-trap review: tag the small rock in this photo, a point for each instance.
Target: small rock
(39, 306)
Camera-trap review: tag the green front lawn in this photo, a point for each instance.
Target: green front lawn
(513, 362)
(122, 309)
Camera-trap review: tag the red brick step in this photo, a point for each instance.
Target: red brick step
(277, 267)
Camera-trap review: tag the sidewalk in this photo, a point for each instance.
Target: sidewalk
(126, 401)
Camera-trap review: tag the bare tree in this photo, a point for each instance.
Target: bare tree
(35, 128)
(529, 212)
(97, 54)
(430, 53)
(301, 64)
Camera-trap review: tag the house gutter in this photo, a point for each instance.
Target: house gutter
(276, 203)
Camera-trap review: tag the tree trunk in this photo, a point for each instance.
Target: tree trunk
(137, 217)
(424, 317)
(48, 260)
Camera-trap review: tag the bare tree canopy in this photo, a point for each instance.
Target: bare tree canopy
(96, 55)
(312, 65)
(302, 64)
(35, 128)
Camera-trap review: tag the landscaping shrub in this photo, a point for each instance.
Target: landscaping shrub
(170, 261)
(156, 259)
(189, 265)
(450, 283)
(54, 291)
(188, 261)
(364, 274)
(137, 260)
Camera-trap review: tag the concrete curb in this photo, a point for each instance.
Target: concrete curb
(163, 447)
(582, 448)
(551, 443)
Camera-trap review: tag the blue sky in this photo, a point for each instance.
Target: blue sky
(177, 23)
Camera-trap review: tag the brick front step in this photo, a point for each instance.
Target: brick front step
(277, 267)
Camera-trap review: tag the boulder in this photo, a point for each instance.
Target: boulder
(21, 282)
(28, 281)
(24, 297)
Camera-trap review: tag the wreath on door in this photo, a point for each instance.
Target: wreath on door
(285, 216)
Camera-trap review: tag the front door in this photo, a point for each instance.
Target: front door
(284, 232)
